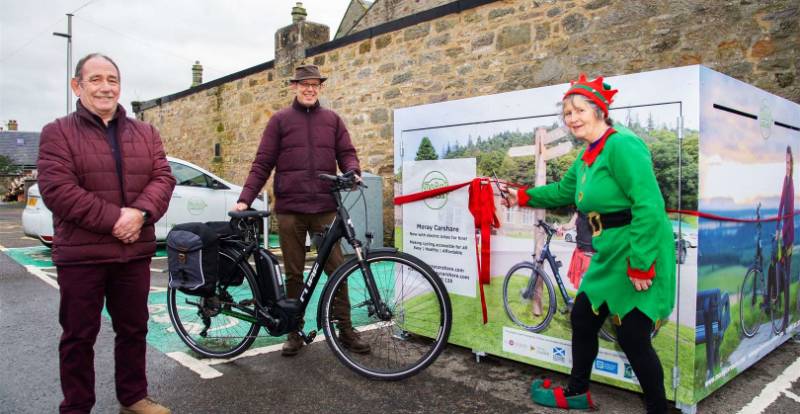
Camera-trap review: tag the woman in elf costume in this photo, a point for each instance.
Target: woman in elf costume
(631, 277)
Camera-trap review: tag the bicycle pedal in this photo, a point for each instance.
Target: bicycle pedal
(308, 338)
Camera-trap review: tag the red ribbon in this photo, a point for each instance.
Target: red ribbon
(481, 205)
(730, 219)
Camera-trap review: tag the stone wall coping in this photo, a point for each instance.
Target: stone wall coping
(457, 6)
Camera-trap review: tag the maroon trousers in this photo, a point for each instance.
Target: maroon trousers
(125, 287)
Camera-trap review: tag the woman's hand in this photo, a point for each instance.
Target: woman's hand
(641, 284)
(509, 195)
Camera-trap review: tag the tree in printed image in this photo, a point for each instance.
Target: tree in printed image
(426, 151)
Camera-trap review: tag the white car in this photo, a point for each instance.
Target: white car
(691, 239)
(198, 196)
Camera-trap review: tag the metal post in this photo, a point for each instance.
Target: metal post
(68, 35)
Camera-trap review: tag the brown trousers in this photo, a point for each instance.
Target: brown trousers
(292, 229)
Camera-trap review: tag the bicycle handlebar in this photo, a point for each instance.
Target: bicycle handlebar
(546, 227)
(344, 181)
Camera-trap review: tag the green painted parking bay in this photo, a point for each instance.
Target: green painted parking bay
(161, 335)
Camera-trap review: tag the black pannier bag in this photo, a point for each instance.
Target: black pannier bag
(193, 257)
(229, 274)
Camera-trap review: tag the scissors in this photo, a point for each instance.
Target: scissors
(503, 193)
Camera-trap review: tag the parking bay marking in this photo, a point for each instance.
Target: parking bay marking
(36, 261)
(779, 386)
(161, 335)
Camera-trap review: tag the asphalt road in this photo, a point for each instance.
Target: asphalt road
(314, 380)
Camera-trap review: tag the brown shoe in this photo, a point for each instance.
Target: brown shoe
(292, 345)
(351, 340)
(145, 406)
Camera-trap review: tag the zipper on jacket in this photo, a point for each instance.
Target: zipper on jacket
(313, 178)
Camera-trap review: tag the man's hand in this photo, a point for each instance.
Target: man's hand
(129, 225)
(641, 284)
(240, 207)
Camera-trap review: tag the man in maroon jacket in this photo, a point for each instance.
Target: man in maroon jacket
(301, 142)
(107, 181)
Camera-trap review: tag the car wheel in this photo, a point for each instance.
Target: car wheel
(568, 237)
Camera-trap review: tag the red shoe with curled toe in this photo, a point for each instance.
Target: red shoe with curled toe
(543, 394)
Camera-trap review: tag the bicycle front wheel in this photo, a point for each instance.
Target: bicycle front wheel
(223, 325)
(752, 307)
(526, 301)
(418, 327)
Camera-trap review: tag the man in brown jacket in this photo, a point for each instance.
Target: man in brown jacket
(106, 179)
(301, 142)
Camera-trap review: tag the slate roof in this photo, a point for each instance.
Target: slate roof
(21, 147)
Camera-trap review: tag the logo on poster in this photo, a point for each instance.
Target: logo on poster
(628, 371)
(559, 354)
(432, 181)
(765, 119)
(606, 365)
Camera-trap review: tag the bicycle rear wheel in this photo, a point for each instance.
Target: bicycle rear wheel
(221, 326)
(522, 286)
(779, 300)
(608, 332)
(420, 322)
(752, 308)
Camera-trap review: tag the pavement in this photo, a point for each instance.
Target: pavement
(264, 381)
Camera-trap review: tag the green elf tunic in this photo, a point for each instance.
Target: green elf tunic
(614, 175)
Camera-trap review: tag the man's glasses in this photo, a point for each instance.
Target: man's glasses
(308, 85)
(98, 82)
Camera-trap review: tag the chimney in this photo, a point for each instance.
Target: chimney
(298, 13)
(12, 125)
(292, 41)
(197, 73)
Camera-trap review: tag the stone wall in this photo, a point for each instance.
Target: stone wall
(382, 11)
(498, 47)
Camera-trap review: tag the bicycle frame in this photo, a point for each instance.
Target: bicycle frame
(281, 315)
(554, 266)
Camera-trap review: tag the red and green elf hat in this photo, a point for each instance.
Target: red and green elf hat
(597, 91)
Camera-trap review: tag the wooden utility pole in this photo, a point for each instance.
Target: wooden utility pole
(542, 153)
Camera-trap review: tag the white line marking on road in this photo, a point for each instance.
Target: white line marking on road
(774, 389)
(202, 368)
(40, 273)
(791, 395)
(250, 352)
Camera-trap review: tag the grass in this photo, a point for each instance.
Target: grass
(731, 340)
(728, 279)
(469, 331)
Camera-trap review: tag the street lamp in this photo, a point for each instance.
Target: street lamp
(68, 35)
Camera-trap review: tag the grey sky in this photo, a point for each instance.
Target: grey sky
(154, 43)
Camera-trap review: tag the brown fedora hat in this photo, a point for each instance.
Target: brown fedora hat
(307, 72)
